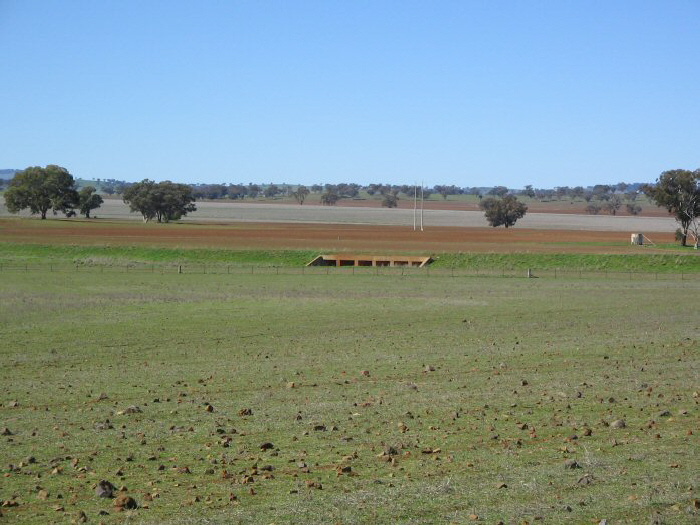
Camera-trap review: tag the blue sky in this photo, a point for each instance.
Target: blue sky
(472, 93)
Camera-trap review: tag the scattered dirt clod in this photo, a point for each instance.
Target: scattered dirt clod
(104, 489)
(125, 502)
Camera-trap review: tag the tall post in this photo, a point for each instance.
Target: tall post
(415, 204)
(421, 205)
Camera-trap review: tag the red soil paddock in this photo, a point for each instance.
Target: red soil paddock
(328, 237)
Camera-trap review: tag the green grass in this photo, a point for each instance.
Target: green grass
(662, 263)
(144, 254)
(675, 246)
(460, 362)
(120, 255)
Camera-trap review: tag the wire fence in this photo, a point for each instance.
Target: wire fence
(403, 271)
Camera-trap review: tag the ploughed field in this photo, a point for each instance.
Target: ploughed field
(335, 237)
(348, 398)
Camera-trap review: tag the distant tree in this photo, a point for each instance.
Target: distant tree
(577, 192)
(108, 189)
(614, 203)
(236, 191)
(175, 201)
(346, 190)
(2, 183)
(505, 211)
(407, 190)
(634, 209)
(216, 191)
(390, 201)
(88, 200)
(631, 196)
(42, 189)
(374, 188)
(329, 198)
(473, 191)
(165, 201)
(587, 196)
(253, 190)
(679, 192)
(446, 190)
(271, 190)
(593, 209)
(545, 195)
(621, 186)
(316, 188)
(300, 194)
(561, 191)
(198, 190)
(141, 198)
(499, 191)
(528, 191)
(209, 191)
(601, 192)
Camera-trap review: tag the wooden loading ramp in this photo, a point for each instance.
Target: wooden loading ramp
(371, 260)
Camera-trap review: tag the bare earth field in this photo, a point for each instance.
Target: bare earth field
(330, 237)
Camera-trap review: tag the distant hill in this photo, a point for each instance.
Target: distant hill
(8, 174)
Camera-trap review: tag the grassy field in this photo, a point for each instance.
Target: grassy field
(372, 399)
(43, 254)
(115, 255)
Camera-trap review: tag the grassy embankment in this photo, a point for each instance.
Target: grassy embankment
(120, 255)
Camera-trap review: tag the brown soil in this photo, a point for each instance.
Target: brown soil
(328, 237)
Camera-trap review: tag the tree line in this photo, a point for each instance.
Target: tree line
(235, 191)
(599, 193)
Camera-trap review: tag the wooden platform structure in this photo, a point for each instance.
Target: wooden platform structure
(344, 259)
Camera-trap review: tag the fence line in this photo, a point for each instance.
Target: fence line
(220, 269)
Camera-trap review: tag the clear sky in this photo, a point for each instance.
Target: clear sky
(472, 93)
